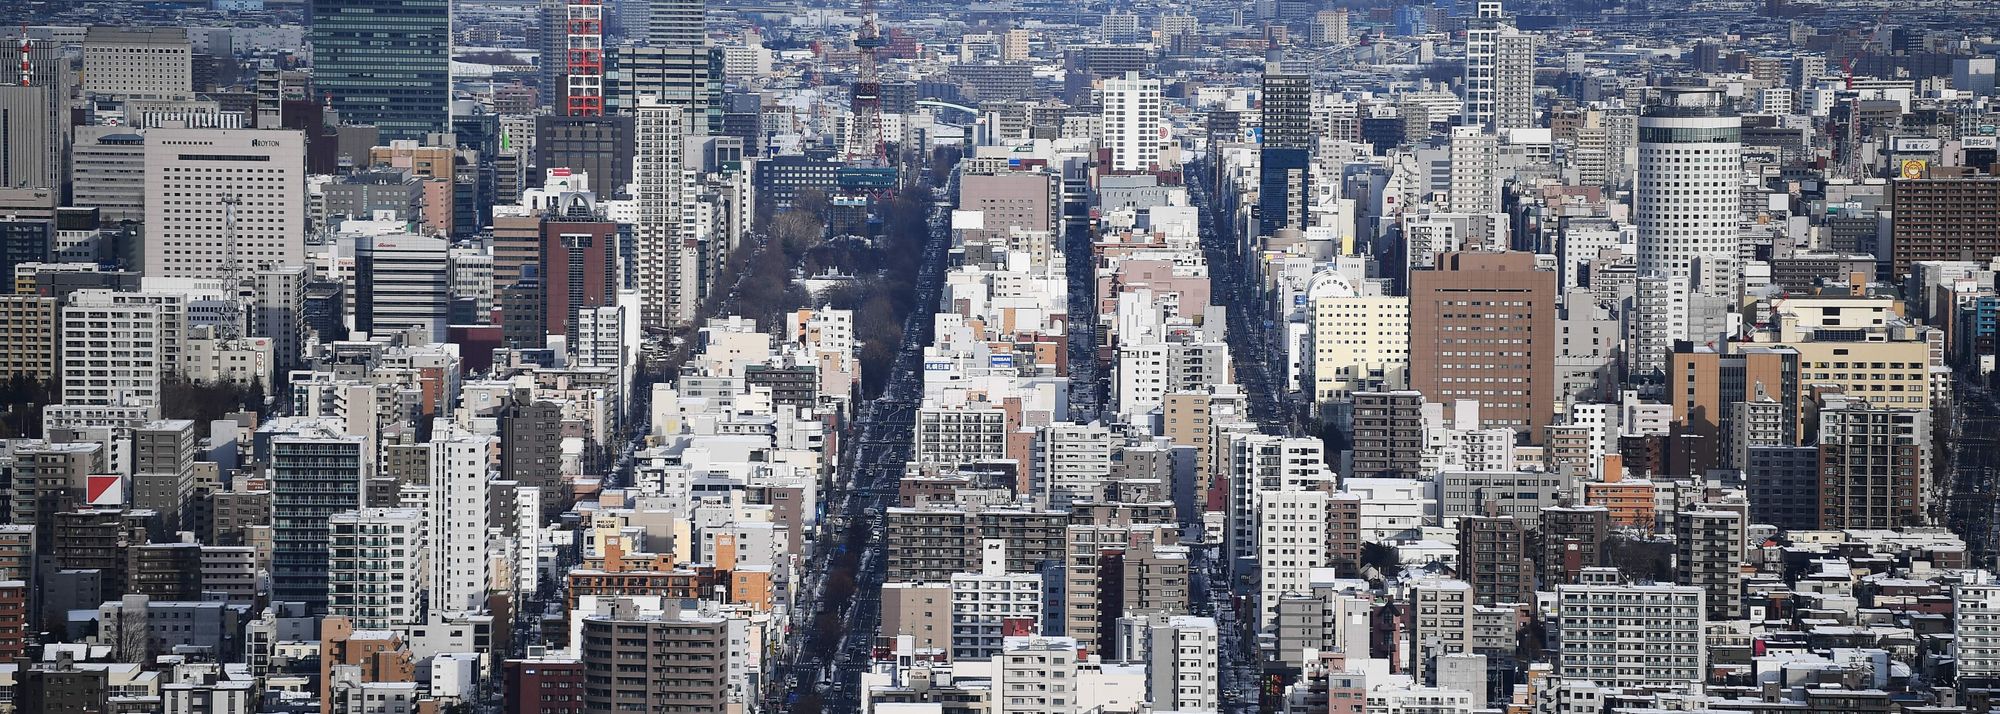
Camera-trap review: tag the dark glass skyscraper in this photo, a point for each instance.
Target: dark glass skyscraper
(385, 63)
(1285, 169)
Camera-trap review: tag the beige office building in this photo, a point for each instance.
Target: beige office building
(214, 192)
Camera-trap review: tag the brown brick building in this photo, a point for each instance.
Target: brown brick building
(1948, 215)
(1483, 326)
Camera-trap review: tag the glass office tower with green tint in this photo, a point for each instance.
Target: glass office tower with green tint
(385, 62)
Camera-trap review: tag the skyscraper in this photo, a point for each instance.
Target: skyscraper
(1687, 207)
(385, 63)
(663, 266)
(34, 116)
(27, 125)
(579, 270)
(681, 76)
(1285, 159)
(1499, 71)
(1687, 202)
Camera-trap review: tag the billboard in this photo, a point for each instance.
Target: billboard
(104, 490)
(1914, 145)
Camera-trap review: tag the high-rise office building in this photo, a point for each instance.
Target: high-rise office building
(25, 240)
(316, 472)
(1134, 127)
(402, 282)
(108, 172)
(598, 146)
(224, 200)
(385, 63)
(1285, 157)
(34, 116)
(28, 125)
(677, 23)
(552, 75)
(579, 270)
(155, 61)
(684, 76)
(1482, 327)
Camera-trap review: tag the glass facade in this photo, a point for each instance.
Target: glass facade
(385, 63)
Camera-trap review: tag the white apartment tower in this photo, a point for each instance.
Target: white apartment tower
(1977, 645)
(1134, 125)
(666, 261)
(1182, 665)
(987, 605)
(1475, 171)
(1499, 71)
(114, 352)
(1036, 675)
(457, 515)
(1617, 635)
(1255, 463)
(375, 567)
(1072, 461)
(220, 200)
(1291, 544)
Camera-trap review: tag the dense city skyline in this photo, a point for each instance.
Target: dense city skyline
(1179, 356)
